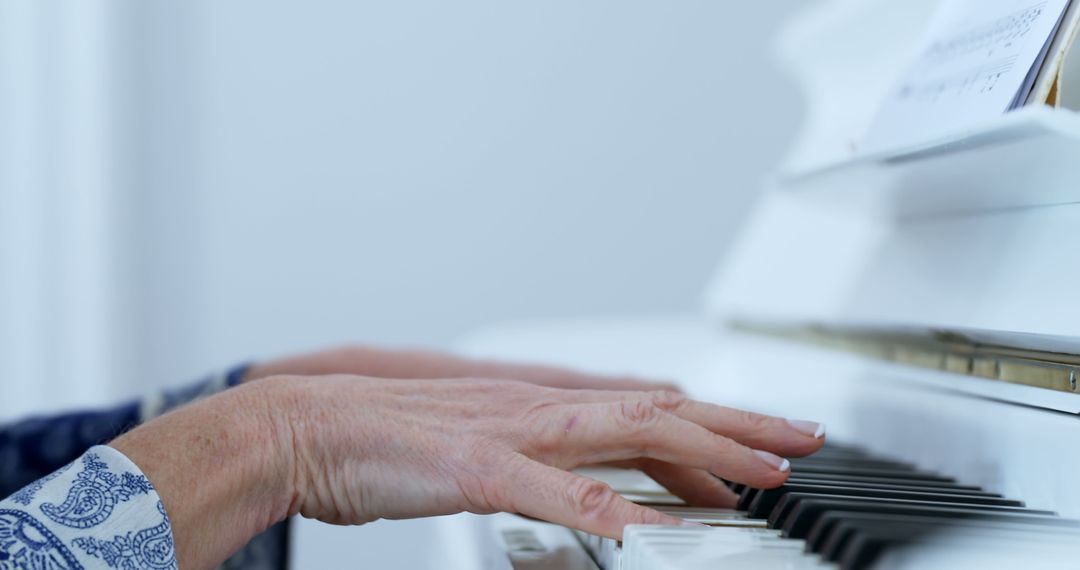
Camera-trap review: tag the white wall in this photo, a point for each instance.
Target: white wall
(63, 279)
(246, 178)
(401, 172)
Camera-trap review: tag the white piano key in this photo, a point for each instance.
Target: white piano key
(647, 547)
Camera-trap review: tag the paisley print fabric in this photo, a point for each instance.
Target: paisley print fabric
(110, 517)
(71, 505)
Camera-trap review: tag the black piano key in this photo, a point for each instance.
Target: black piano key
(796, 513)
(833, 532)
(830, 533)
(832, 449)
(850, 506)
(872, 472)
(748, 495)
(830, 544)
(866, 545)
(864, 548)
(863, 463)
(765, 501)
(839, 464)
(852, 479)
(853, 458)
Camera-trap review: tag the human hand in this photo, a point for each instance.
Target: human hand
(406, 449)
(350, 450)
(423, 364)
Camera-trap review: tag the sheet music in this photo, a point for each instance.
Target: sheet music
(979, 59)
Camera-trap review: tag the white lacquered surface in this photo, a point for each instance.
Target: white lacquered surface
(1018, 451)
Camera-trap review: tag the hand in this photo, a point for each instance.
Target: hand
(405, 449)
(421, 364)
(350, 450)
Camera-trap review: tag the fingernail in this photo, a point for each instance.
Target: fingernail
(774, 461)
(693, 524)
(809, 428)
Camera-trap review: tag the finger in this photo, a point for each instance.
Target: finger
(788, 438)
(584, 434)
(555, 377)
(561, 497)
(698, 488)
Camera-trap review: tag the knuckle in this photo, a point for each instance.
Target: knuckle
(668, 401)
(538, 408)
(753, 421)
(542, 426)
(638, 413)
(592, 499)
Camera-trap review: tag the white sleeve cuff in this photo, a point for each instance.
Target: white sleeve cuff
(98, 512)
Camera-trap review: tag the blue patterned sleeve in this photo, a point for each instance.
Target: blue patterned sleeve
(97, 512)
(33, 448)
(44, 470)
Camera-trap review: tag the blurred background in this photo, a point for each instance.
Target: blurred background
(186, 185)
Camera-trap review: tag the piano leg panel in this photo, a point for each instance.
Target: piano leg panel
(383, 544)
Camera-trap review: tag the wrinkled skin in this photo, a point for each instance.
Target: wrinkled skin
(421, 448)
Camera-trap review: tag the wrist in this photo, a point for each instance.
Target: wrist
(282, 401)
(221, 470)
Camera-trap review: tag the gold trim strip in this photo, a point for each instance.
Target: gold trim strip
(937, 350)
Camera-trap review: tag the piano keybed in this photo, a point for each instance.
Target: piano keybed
(844, 509)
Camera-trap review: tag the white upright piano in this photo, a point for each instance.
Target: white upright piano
(923, 302)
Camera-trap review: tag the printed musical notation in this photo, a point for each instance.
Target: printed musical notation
(1002, 33)
(982, 79)
(979, 59)
(985, 54)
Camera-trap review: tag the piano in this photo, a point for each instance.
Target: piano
(924, 303)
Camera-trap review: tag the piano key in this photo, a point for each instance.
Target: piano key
(823, 529)
(765, 500)
(872, 472)
(845, 507)
(873, 479)
(819, 475)
(649, 547)
(797, 512)
(867, 544)
(847, 525)
(866, 548)
(689, 549)
(865, 463)
(747, 498)
(712, 517)
(894, 483)
(837, 537)
(832, 449)
(657, 500)
(983, 557)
